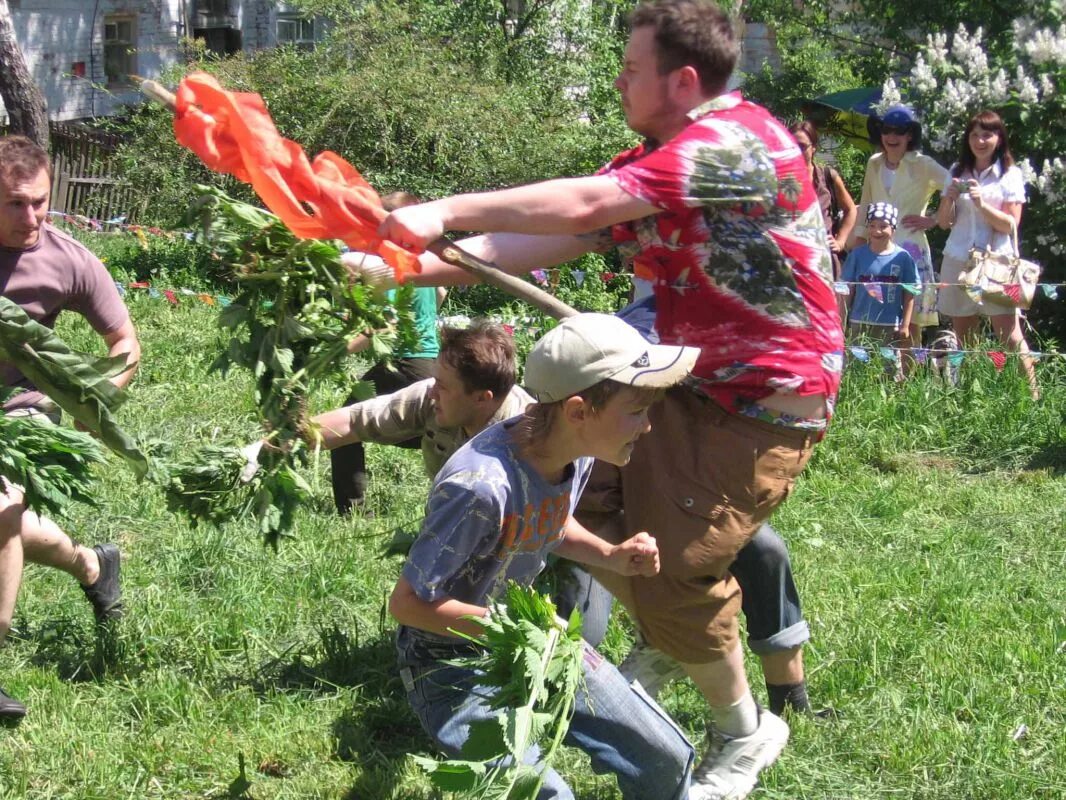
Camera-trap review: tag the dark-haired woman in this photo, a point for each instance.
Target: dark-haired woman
(982, 204)
(838, 208)
(903, 177)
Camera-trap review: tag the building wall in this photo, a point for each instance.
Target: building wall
(57, 34)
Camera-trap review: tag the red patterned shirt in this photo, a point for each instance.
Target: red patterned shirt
(738, 257)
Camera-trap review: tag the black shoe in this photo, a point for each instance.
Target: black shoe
(106, 594)
(10, 708)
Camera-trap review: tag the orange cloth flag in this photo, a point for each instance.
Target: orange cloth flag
(232, 132)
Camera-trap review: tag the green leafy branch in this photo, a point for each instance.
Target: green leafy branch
(535, 665)
(289, 325)
(78, 383)
(51, 464)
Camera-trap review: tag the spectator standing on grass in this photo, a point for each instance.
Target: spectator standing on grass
(498, 507)
(46, 272)
(717, 206)
(907, 179)
(838, 208)
(982, 207)
(348, 462)
(881, 309)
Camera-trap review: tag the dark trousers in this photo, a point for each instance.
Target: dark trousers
(770, 600)
(349, 462)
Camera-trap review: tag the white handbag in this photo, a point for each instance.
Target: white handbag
(1006, 279)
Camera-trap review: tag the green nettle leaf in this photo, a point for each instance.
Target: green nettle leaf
(453, 776)
(289, 324)
(535, 668)
(487, 740)
(71, 379)
(232, 315)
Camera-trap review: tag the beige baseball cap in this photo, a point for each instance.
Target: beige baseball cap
(588, 348)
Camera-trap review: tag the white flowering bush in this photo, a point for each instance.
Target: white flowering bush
(954, 76)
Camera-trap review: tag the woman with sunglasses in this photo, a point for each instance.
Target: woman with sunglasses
(903, 177)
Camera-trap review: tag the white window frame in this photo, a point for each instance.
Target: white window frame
(307, 31)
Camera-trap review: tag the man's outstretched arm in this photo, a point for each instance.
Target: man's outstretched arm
(528, 227)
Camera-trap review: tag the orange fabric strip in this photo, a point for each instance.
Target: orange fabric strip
(232, 132)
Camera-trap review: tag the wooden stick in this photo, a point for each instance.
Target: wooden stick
(443, 248)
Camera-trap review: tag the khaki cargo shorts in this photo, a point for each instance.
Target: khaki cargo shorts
(701, 482)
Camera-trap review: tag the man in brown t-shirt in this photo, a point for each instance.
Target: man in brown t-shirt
(45, 272)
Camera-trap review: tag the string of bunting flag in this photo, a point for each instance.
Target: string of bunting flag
(115, 225)
(876, 289)
(923, 355)
(172, 295)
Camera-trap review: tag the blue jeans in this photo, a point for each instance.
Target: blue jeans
(769, 599)
(621, 729)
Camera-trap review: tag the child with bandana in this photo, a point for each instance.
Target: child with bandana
(879, 270)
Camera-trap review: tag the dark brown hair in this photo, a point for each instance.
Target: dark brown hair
(989, 121)
(22, 159)
(395, 200)
(806, 127)
(691, 33)
(482, 354)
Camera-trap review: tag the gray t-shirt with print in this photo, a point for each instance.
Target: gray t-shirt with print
(490, 519)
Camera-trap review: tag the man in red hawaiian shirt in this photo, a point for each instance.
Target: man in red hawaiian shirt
(717, 211)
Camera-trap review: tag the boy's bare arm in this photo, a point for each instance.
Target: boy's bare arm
(638, 555)
(442, 616)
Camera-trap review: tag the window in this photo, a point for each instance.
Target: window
(120, 49)
(221, 41)
(293, 28)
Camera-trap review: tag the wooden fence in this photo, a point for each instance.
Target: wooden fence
(86, 177)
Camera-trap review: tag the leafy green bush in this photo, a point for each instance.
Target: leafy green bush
(165, 260)
(396, 101)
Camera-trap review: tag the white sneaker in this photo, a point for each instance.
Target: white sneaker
(651, 668)
(731, 766)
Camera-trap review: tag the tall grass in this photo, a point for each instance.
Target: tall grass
(927, 539)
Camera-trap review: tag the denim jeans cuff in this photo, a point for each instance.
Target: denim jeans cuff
(790, 637)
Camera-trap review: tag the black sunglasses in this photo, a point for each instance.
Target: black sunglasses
(895, 130)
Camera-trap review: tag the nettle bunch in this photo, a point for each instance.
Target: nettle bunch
(953, 77)
(289, 325)
(534, 661)
(52, 465)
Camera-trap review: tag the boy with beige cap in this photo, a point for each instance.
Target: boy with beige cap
(499, 506)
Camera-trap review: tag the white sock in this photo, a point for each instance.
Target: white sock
(738, 719)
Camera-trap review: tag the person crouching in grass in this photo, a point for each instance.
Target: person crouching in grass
(499, 506)
(881, 308)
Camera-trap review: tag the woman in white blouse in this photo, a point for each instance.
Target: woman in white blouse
(982, 203)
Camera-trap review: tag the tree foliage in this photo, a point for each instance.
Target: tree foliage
(412, 98)
(955, 76)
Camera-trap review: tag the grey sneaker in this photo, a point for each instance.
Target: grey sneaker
(731, 766)
(651, 668)
(106, 594)
(10, 708)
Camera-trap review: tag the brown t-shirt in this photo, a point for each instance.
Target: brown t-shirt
(56, 274)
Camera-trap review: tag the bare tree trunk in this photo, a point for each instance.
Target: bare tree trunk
(23, 100)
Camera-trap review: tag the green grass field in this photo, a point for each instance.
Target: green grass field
(927, 538)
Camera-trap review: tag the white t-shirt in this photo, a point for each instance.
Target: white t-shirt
(971, 229)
